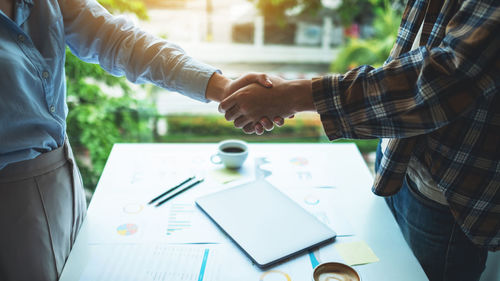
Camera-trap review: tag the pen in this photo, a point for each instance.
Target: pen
(179, 192)
(170, 190)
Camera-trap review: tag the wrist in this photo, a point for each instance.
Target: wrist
(301, 91)
(217, 87)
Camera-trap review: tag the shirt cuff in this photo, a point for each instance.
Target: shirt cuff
(194, 79)
(326, 96)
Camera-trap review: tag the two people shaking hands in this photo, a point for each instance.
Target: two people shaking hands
(435, 104)
(256, 102)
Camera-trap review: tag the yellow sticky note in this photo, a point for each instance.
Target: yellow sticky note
(355, 253)
(224, 175)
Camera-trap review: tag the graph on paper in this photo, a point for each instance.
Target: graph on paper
(127, 229)
(151, 262)
(180, 218)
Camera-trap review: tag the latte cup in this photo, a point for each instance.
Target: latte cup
(335, 271)
(231, 153)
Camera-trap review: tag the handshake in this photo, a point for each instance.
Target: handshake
(257, 102)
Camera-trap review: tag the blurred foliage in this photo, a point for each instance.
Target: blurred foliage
(351, 11)
(373, 51)
(193, 126)
(363, 11)
(214, 128)
(126, 6)
(275, 11)
(97, 120)
(383, 15)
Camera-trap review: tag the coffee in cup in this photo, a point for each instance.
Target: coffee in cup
(231, 153)
(335, 271)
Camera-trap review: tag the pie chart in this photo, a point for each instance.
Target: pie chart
(299, 161)
(127, 229)
(275, 275)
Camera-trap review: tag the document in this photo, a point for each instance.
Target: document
(151, 262)
(322, 204)
(187, 224)
(177, 222)
(298, 171)
(166, 262)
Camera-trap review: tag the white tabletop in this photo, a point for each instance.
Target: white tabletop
(120, 227)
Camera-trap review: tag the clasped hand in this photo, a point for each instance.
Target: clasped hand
(252, 106)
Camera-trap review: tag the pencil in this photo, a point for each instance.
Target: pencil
(170, 190)
(179, 192)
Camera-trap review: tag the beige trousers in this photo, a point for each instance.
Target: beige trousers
(42, 206)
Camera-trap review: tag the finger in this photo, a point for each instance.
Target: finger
(267, 124)
(226, 104)
(241, 121)
(249, 128)
(259, 130)
(264, 80)
(260, 78)
(279, 121)
(250, 78)
(233, 113)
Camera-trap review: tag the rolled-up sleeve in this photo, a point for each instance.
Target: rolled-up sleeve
(325, 94)
(421, 90)
(122, 49)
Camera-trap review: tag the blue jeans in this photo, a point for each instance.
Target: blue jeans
(443, 250)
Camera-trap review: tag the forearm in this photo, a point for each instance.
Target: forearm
(410, 99)
(357, 106)
(419, 91)
(123, 49)
(301, 98)
(217, 87)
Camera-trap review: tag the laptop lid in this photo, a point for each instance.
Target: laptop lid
(265, 223)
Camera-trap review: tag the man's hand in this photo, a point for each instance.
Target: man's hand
(249, 105)
(220, 87)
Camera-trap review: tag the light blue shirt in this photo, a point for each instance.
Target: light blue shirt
(33, 106)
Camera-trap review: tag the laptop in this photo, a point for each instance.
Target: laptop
(265, 223)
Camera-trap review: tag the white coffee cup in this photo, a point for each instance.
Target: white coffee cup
(231, 153)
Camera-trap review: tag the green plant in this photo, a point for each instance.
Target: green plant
(373, 51)
(212, 128)
(126, 6)
(275, 10)
(362, 11)
(351, 11)
(97, 120)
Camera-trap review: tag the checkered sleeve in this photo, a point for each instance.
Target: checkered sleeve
(421, 90)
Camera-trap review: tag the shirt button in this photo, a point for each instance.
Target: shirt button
(21, 38)
(52, 108)
(45, 74)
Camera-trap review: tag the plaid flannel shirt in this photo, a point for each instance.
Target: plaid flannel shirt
(439, 103)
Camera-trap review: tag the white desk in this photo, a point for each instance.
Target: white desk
(121, 230)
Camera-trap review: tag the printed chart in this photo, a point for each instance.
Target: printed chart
(133, 208)
(180, 218)
(127, 229)
(299, 161)
(150, 262)
(186, 224)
